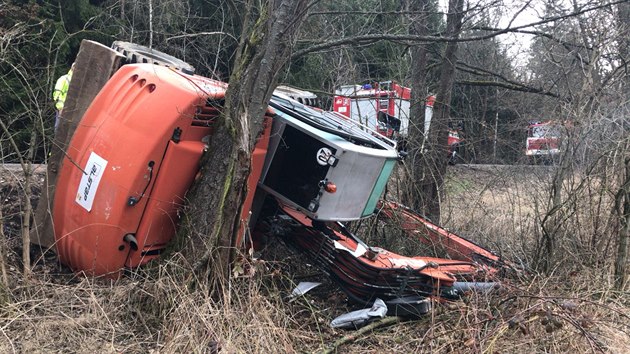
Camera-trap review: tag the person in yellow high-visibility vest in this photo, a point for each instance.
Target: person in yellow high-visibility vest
(60, 93)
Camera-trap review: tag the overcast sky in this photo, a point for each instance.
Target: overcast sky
(513, 13)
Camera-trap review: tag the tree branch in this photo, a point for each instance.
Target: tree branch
(387, 321)
(505, 83)
(509, 86)
(373, 38)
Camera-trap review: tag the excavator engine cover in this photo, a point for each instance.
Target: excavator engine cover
(129, 164)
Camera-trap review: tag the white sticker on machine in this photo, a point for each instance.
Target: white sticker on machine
(92, 175)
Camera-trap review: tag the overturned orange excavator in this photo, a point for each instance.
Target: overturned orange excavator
(136, 152)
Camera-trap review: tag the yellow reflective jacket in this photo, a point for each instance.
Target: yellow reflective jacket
(61, 90)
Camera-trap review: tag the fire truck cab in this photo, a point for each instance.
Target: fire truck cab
(384, 107)
(543, 139)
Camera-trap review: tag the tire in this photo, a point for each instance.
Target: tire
(454, 154)
(136, 53)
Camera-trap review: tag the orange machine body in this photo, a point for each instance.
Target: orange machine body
(131, 160)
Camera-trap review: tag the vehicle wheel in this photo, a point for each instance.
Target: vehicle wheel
(452, 156)
(136, 53)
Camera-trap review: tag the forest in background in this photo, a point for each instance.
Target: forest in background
(500, 85)
(574, 71)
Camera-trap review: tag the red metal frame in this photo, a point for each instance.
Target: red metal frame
(456, 246)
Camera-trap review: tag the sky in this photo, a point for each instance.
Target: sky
(519, 13)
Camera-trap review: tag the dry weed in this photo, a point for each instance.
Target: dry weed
(154, 310)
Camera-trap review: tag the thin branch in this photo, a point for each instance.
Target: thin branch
(188, 35)
(387, 321)
(505, 83)
(373, 38)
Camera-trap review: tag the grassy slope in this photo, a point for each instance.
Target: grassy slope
(573, 310)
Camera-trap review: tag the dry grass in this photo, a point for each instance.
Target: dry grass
(152, 310)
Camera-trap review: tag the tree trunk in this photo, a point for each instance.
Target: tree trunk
(412, 196)
(217, 197)
(3, 256)
(622, 243)
(621, 260)
(27, 168)
(434, 158)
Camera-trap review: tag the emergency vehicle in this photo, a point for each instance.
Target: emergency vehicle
(543, 139)
(384, 107)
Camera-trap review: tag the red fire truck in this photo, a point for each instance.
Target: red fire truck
(543, 140)
(384, 107)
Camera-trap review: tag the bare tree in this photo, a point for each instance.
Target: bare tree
(429, 165)
(34, 116)
(623, 196)
(574, 62)
(269, 30)
(419, 56)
